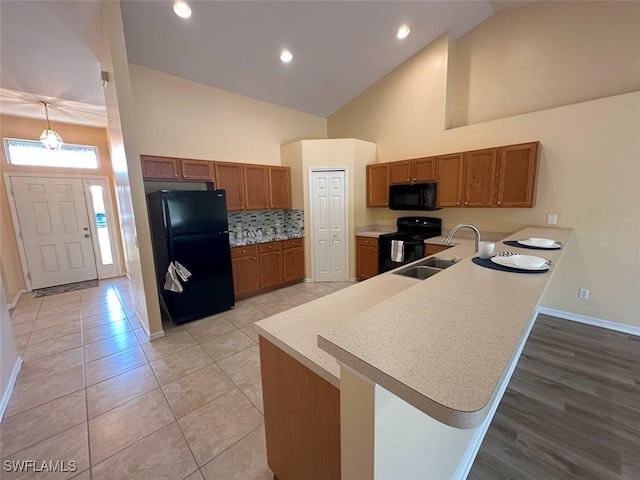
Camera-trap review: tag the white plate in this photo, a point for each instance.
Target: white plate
(533, 243)
(508, 262)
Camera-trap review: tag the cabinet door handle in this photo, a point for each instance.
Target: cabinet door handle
(457, 203)
(184, 176)
(466, 203)
(499, 203)
(255, 258)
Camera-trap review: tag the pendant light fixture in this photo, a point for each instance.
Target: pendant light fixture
(49, 137)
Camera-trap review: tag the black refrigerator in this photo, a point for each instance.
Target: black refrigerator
(190, 227)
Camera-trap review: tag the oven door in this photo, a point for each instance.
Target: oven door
(413, 250)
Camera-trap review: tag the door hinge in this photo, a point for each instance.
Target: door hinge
(29, 275)
(20, 233)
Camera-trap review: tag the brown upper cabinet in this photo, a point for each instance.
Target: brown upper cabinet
(231, 179)
(517, 172)
(417, 170)
(256, 187)
(280, 188)
(176, 169)
(378, 185)
(478, 178)
(449, 179)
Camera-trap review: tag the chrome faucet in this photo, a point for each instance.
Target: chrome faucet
(458, 227)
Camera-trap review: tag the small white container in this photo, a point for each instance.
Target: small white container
(485, 249)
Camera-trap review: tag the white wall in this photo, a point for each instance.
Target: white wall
(589, 170)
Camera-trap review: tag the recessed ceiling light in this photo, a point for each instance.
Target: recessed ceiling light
(182, 9)
(403, 31)
(286, 56)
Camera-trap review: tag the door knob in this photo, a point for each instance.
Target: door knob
(86, 235)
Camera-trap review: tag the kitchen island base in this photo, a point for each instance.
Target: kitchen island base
(301, 417)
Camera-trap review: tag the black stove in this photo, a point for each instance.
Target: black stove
(412, 232)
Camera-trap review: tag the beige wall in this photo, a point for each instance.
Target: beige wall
(589, 172)
(544, 56)
(29, 128)
(350, 153)
(186, 119)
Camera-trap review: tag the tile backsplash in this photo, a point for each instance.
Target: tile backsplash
(265, 226)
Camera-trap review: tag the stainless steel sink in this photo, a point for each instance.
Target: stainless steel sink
(427, 267)
(438, 262)
(420, 272)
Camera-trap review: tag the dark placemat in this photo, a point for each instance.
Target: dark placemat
(494, 266)
(513, 243)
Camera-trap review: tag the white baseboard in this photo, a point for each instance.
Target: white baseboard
(6, 395)
(308, 280)
(150, 336)
(596, 322)
(16, 299)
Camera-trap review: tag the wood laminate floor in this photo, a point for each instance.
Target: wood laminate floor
(571, 410)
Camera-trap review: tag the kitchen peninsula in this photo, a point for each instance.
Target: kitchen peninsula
(422, 364)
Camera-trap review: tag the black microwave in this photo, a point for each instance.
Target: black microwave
(419, 196)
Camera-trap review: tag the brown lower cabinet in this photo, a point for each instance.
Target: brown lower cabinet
(266, 266)
(301, 418)
(366, 257)
(433, 248)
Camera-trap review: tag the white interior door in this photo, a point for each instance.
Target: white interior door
(329, 226)
(55, 230)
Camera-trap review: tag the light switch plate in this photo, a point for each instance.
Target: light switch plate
(552, 218)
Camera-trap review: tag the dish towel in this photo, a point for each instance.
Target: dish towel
(171, 282)
(397, 251)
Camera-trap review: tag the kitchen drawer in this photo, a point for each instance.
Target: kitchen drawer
(244, 251)
(294, 242)
(269, 247)
(367, 241)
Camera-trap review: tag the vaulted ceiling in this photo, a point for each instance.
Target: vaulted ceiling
(49, 49)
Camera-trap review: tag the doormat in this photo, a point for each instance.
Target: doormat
(69, 287)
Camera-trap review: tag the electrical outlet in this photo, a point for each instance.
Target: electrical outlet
(583, 293)
(552, 218)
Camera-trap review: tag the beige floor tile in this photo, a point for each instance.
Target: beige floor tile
(183, 363)
(69, 446)
(67, 308)
(65, 298)
(32, 391)
(269, 309)
(246, 460)
(244, 315)
(208, 328)
(86, 475)
(219, 424)
(113, 365)
(23, 328)
(50, 347)
(92, 321)
(251, 331)
(262, 299)
(226, 345)
(195, 476)
(117, 390)
(52, 364)
(21, 342)
(17, 318)
(170, 344)
(57, 331)
(107, 330)
(28, 428)
(197, 389)
(162, 455)
(100, 307)
(23, 309)
(48, 320)
(253, 391)
(243, 366)
(123, 426)
(141, 335)
(109, 346)
(301, 298)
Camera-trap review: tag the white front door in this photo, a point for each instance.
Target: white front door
(329, 226)
(55, 231)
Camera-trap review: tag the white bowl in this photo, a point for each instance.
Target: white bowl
(528, 261)
(543, 242)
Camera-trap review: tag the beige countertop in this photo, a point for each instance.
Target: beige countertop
(374, 231)
(444, 344)
(441, 344)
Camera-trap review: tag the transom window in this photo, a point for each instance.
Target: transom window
(33, 153)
